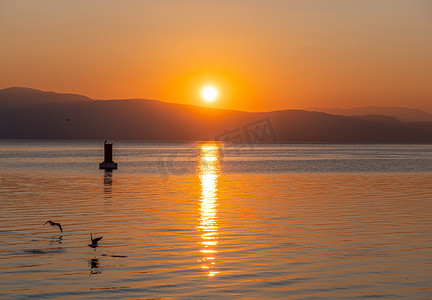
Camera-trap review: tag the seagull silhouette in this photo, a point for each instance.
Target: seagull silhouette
(94, 241)
(54, 224)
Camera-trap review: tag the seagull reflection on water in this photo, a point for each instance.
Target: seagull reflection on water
(57, 239)
(94, 263)
(94, 266)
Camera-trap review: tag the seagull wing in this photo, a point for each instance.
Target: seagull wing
(95, 240)
(47, 222)
(59, 226)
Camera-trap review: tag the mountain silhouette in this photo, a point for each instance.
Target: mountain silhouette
(18, 96)
(33, 114)
(403, 114)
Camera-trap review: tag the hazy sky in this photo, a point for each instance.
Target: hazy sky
(262, 55)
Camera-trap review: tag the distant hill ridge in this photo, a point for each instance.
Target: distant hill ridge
(33, 114)
(402, 113)
(14, 96)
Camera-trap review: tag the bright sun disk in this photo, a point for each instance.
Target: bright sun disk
(209, 93)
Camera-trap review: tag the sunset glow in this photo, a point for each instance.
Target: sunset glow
(265, 56)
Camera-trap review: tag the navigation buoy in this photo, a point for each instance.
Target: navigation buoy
(108, 163)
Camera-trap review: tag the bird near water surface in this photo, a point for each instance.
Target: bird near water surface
(54, 224)
(94, 241)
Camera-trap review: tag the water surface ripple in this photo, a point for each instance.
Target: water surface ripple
(193, 221)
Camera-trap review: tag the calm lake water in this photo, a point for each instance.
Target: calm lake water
(196, 220)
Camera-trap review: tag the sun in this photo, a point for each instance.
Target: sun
(209, 93)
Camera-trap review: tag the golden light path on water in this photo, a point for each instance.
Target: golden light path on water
(208, 173)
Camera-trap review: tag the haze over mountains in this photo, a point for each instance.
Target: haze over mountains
(33, 114)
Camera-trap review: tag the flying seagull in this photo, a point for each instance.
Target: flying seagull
(54, 224)
(94, 241)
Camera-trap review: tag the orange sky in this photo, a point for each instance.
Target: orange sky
(263, 55)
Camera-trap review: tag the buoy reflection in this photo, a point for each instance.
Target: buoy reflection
(209, 170)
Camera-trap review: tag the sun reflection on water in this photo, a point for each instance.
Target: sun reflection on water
(208, 173)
